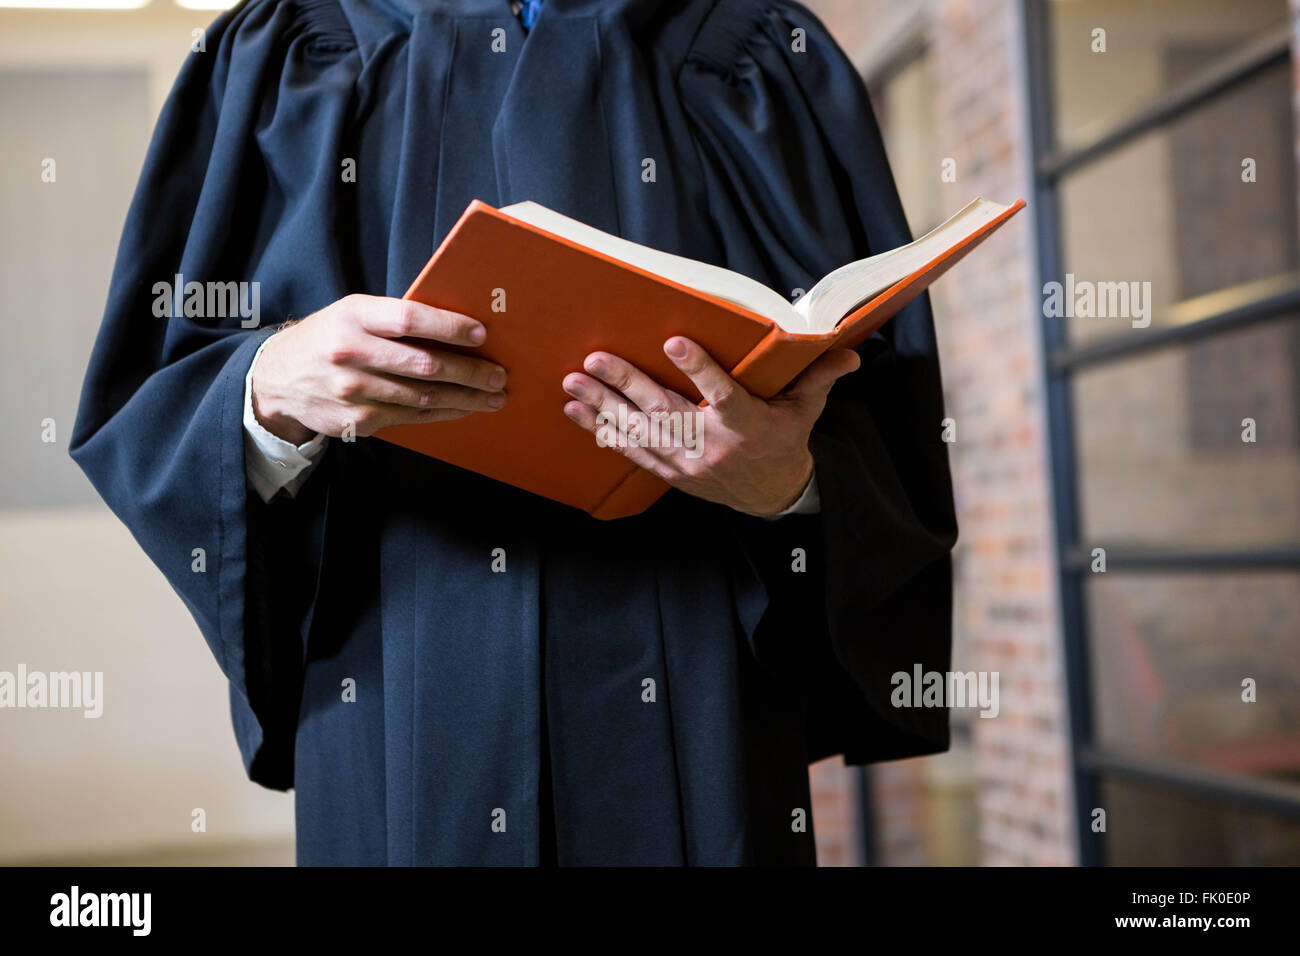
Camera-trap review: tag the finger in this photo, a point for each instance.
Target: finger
(365, 388)
(664, 434)
(816, 380)
(370, 418)
(608, 434)
(719, 389)
(599, 396)
(419, 361)
(398, 318)
(647, 394)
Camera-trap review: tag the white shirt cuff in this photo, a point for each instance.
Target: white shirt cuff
(271, 463)
(808, 503)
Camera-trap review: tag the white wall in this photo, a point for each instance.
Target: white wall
(76, 592)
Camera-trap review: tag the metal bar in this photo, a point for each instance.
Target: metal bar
(1195, 319)
(1270, 49)
(867, 846)
(1283, 557)
(1259, 794)
(1061, 435)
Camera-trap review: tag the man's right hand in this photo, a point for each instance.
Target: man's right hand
(370, 362)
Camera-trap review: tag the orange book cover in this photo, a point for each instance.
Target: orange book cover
(548, 302)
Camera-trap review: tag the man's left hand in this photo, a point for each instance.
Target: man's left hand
(752, 454)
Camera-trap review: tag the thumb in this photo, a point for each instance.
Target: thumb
(816, 381)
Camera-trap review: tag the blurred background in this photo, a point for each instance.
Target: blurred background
(1155, 142)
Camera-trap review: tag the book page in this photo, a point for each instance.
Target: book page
(848, 287)
(712, 280)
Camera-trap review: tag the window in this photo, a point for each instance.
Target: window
(1165, 189)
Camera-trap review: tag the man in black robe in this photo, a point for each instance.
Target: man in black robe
(642, 691)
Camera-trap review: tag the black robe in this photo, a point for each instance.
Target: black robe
(506, 718)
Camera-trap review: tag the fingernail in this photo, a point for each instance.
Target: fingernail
(497, 401)
(477, 334)
(596, 366)
(497, 380)
(676, 348)
(575, 389)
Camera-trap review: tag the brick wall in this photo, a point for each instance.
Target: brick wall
(836, 810)
(1011, 781)
(1160, 456)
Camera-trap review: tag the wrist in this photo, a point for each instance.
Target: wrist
(270, 404)
(804, 470)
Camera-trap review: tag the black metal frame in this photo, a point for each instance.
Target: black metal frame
(866, 820)
(1210, 315)
(1200, 318)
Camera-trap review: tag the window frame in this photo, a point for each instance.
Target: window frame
(1213, 315)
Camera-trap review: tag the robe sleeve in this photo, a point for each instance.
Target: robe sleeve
(159, 427)
(797, 182)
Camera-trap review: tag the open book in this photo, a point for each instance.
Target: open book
(820, 309)
(552, 290)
